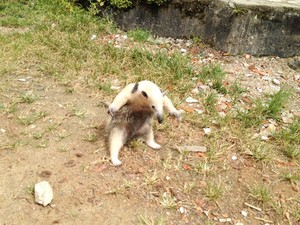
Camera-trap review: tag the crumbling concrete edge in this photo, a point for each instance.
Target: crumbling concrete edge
(233, 28)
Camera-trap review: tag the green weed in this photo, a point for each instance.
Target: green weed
(276, 103)
(260, 193)
(213, 73)
(139, 35)
(213, 192)
(146, 220)
(28, 97)
(168, 201)
(32, 118)
(90, 137)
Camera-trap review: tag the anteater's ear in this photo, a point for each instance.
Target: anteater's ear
(144, 94)
(135, 88)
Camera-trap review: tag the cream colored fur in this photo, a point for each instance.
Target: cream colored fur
(155, 101)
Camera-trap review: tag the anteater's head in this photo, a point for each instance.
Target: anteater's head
(151, 95)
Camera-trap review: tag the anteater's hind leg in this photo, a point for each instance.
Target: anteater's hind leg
(149, 137)
(117, 139)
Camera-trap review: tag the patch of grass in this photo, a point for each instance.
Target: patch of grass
(28, 98)
(210, 102)
(32, 118)
(213, 192)
(288, 140)
(213, 73)
(78, 112)
(276, 103)
(296, 213)
(260, 193)
(291, 176)
(90, 137)
(121, 4)
(30, 189)
(139, 35)
(10, 146)
(152, 178)
(105, 87)
(10, 107)
(168, 201)
(38, 135)
(146, 220)
(253, 116)
(157, 2)
(202, 167)
(235, 91)
(261, 152)
(188, 187)
(292, 152)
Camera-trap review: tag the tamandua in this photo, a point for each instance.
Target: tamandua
(132, 113)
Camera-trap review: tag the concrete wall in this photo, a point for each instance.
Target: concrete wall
(257, 30)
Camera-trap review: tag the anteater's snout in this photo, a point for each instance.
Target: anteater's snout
(160, 118)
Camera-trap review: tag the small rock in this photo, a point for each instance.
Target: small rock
(276, 81)
(115, 88)
(234, 157)
(93, 37)
(191, 100)
(199, 111)
(259, 89)
(224, 220)
(247, 56)
(295, 63)
(266, 78)
(244, 213)
(183, 50)
(195, 91)
(2, 130)
(22, 79)
(203, 88)
(264, 138)
(182, 210)
(207, 131)
(43, 193)
(192, 148)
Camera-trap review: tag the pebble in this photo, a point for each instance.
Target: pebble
(93, 37)
(2, 130)
(234, 157)
(276, 81)
(191, 100)
(207, 131)
(182, 210)
(43, 193)
(244, 213)
(224, 220)
(183, 50)
(203, 88)
(264, 138)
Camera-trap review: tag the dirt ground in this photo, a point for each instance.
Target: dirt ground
(59, 137)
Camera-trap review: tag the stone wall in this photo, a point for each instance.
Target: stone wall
(233, 28)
